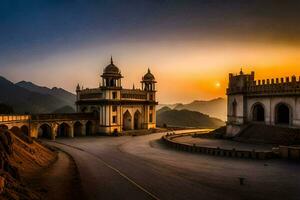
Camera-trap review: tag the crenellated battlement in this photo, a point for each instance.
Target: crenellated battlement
(246, 84)
(276, 81)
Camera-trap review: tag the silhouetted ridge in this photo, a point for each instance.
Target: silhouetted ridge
(29, 99)
(186, 118)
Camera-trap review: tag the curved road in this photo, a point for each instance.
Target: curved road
(143, 168)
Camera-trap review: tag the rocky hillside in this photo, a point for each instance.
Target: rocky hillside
(25, 99)
(20, 156)
(186, 118)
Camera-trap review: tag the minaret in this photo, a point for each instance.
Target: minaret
(111, 90)
(148, 85)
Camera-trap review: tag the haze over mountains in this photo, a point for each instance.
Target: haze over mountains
(186, 118)
(213, 108)
(26, 97)
(66, 97)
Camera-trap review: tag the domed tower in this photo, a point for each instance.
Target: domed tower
(111, 92)
(148, 81)
(148, 85)
(111, 77)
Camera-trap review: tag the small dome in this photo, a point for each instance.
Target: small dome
(148, 76)
(111, 68)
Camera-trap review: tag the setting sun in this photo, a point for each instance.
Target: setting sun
(217, 84)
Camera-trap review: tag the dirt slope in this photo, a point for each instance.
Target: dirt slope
(20, 157)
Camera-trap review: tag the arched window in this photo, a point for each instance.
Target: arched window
(77, 129)
(63, 130)
(89, 128)
(127, 121)
(282, 114)
(44, 131)
(258, 113)
(137, 120)
(25, 130)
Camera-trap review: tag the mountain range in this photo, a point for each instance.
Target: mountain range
(26, 97)
(186, 118)
(214, 108)
(66, 97)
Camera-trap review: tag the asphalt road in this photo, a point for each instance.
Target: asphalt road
(142, 167)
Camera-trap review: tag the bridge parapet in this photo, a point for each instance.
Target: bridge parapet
(65, 116)
(11, 118)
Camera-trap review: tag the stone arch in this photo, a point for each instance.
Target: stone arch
(127, 121)
(3, 126)
(45, 131)
(15, 129)
(25, 130)
(258, 112)
(63, 130)
(89, 127)
(283, 114)
(234, 108)
(78, 128)
(137, 120)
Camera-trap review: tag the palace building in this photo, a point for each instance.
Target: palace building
(274, 102)
(119, 109)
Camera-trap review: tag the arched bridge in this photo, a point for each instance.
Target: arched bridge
(51, 126)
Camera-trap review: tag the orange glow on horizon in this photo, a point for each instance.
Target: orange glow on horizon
(184, 72)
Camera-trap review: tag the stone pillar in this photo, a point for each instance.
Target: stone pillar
(33, 130)
(54, 128)
(83, 129)
(71, 134)
(132, 122)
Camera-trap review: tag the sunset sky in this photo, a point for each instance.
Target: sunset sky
(190, 46)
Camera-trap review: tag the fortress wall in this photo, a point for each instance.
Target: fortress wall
(266, 102)
(297, 111)
(246, 92)
(238, 118)
(290, 101)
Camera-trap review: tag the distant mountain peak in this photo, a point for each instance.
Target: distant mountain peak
(186, 118)
(215, 107)
(3, 79)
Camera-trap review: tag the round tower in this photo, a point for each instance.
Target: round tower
(111, 91)
(148, 85)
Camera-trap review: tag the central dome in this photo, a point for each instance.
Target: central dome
(111, 71)
(111, 68)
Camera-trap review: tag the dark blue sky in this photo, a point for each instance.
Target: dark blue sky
(36, 27)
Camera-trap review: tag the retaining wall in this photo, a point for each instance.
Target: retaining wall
(289, 152)
(216, 151)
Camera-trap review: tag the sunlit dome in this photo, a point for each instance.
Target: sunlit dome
(148, 76)
(111, 68)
